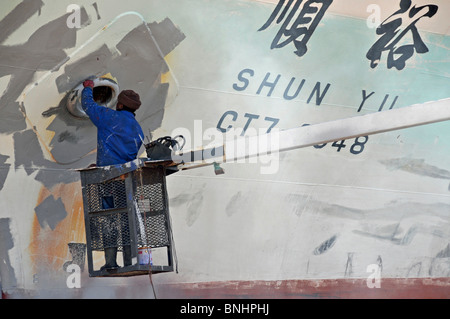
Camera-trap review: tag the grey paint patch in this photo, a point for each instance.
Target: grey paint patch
(417, 167)
(386, 223)
(138, 66)
(440, 265)
(234, 204)
(69, 150)
(300, 203)
(4, 170)
(325, 246)
(192, 204)
(349, 265)
(7, 274)
(439, 268)
(444, 253)
(96, 10)
(194, 208)
(21, 13)
(414, 270)
(180, 200)
(68, 136)
(50, 212)
(408, 211)
(50, 178)
(78, 252)
(392, 211)
(74, 139)
(380, 264)
(44, 50)
(406, 239)
(28, 154)
(95, 63)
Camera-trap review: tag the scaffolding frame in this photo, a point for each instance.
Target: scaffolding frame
(137, 214)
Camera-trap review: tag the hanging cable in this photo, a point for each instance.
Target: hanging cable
(144, 235)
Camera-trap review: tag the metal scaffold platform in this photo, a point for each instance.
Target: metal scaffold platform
(126, 209)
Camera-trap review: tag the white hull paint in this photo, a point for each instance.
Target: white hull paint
(322, 217)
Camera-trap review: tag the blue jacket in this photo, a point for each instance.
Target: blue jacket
(119, 135)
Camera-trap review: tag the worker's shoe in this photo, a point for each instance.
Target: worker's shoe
(110, 258)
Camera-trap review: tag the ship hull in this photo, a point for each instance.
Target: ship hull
(366, 217)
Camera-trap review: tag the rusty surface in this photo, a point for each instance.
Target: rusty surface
(390, 288)
(48, 248)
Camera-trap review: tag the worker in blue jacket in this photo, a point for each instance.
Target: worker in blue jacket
(119, 135)
(119, 138)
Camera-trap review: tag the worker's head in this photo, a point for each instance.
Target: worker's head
(128, 100)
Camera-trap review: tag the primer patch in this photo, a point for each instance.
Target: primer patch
(4, 170)
(137, 65)
(7, 274)
(417, 167)
(325, 246)
(50, 212)
(34, 56)
(29, 155)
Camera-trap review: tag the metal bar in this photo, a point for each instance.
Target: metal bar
(87, 225)
(167, 220)
(129, 188)
(368, 124)
(108, 212)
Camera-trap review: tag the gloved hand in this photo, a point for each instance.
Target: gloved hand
(89, 83)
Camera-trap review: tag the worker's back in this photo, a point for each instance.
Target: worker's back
(119, 135)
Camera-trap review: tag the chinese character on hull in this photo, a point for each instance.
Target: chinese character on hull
(392, 32)
(300, 29)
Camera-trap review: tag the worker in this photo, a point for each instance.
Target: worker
(119, 135)
(119, 138)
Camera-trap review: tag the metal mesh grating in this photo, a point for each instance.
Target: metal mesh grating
(151, 198)
(109, 222)
(110, 230)
(151, 201)
(156, 231)
(106, 195)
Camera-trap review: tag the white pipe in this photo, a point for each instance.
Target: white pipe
(364, 125)
(285, 140)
